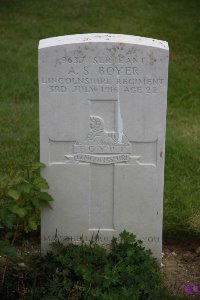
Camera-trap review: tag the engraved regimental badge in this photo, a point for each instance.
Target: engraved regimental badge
(102, 147)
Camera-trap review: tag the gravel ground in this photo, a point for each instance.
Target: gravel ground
(180, 263)
(181, 266)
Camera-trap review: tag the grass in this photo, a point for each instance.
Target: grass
(24, 22)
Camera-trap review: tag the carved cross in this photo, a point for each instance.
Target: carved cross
(105, 146)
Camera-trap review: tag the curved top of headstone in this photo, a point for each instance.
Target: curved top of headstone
(102, 37)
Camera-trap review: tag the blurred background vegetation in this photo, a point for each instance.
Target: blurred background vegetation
(24, 22)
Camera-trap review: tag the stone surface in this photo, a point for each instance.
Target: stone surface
(103, 104)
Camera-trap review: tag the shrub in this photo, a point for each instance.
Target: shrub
(88, 271)
(21, 200)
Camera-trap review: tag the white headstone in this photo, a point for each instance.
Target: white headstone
(103, 101)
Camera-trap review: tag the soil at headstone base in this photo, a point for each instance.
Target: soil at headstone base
(181, 265)
(180, 262)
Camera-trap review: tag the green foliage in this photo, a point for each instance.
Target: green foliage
(7, 250)
(21, 200)
(89, 271)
